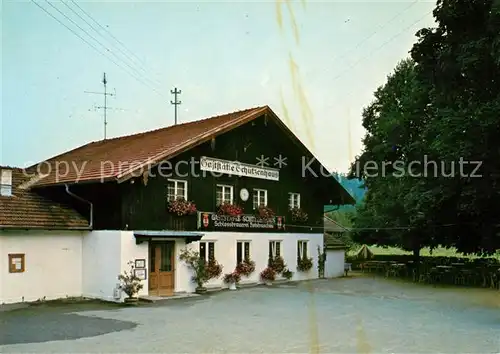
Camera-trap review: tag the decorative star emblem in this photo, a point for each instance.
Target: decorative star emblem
(262, 161)
(280, 161)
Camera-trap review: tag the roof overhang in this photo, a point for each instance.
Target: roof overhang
(147, 236)
(193, 142)
(48, 228)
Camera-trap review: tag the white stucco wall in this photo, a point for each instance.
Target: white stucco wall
(101, 263)
(53, 265)
(225, 253)
(130, 252)
(334, 266)
(64, 264)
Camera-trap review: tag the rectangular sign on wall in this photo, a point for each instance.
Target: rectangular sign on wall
(236, 168)
(251, 223)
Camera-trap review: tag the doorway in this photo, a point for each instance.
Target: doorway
(162, 268)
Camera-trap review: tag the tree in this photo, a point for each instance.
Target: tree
(437, 110)
(459, 61)
(393, 122)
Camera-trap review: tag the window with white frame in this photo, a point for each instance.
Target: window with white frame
(293, 200)
(259, 198)
(6, 183)
(224, 194)
(176, 189)
(302, 249)
(242, 251)
(207, 250)
(274, 249)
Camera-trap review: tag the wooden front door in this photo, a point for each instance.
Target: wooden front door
(161, 268)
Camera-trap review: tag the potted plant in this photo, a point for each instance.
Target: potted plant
(246, 268)
(130, 285)
(287, 274)
(277, 264)
(181, 207)
(230, 209)
(232, 279)
(264, 212)
(298, 215)
(197, 265)
(268, 275)
(304, 264)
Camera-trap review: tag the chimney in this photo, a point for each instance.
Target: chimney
(6, 183)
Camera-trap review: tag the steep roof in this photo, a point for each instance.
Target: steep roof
(331, 225)
(26, 209)
(116, 159)
(119, 158)
(331, 242)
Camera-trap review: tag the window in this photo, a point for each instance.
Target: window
(293, 200)
(16, 263)
(259, 198)
(6, 183)
(176, 189)
(224, 194)
(274, 249)
(207, 250)
(242, 251)
(302, 250)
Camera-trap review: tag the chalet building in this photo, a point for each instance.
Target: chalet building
(232, 187)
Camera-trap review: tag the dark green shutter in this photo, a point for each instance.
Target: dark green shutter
(238, 253)
(211, 250)
(247, 251)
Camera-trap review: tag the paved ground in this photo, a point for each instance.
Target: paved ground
(357, 315)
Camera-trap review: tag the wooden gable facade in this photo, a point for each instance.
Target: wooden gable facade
(141, 203)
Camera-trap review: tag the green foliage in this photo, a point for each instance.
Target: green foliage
(202, 271)
(130, 284)
(321, 262)
(304, 264)
(346, 219)
(441, 105)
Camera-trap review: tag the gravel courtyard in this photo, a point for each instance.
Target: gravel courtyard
(349, 315)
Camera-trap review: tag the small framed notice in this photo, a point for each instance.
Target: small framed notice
(140, 273)
(16, 262)
(140, 263)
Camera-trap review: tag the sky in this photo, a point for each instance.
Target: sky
(316, 64)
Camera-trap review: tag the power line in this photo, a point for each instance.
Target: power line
(352, 66)
(380, 27)
(380, 228)
(92, 46)
(156, 83)
(110, 34)
(96, 40)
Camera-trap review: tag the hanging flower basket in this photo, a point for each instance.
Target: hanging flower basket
(268, 275)
(246, 268)
(277, 264)
(230, 209)
(304, 264)
(264, 212)
(181, 207)
(213, 269)
(298, 215)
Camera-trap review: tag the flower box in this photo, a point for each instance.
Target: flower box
(181, 207)
(230, 209)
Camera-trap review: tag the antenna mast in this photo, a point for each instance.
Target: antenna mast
(105, 107)
(175, 92)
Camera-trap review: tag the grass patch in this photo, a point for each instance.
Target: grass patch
(437, 252)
